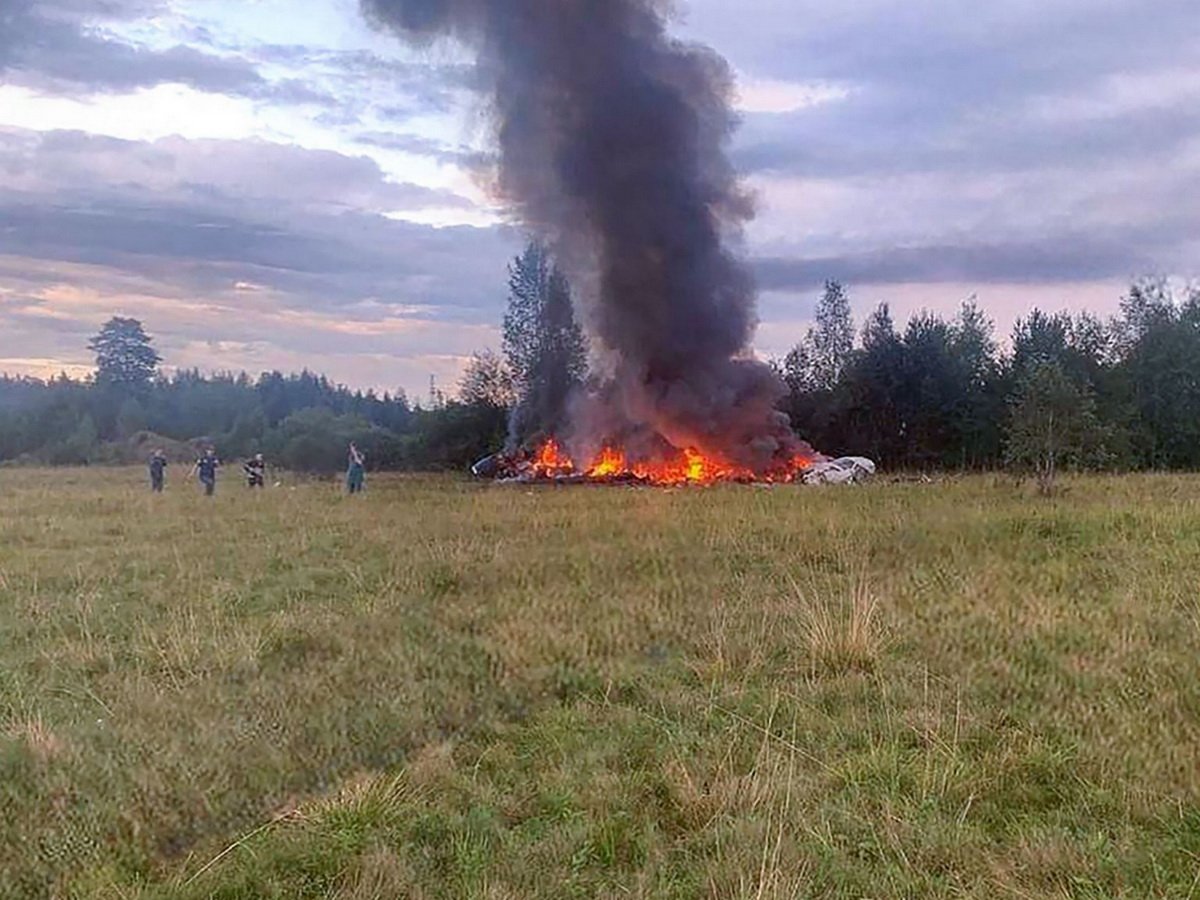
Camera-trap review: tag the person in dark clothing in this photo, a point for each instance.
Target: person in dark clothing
(206, 468)
(356, 473)
(256, 471)
(158, 471)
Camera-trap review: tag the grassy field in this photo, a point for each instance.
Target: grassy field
(447, 689)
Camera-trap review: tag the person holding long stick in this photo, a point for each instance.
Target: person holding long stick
(356, 472)
(256, 471)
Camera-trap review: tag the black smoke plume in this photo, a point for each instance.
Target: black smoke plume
(612, 148)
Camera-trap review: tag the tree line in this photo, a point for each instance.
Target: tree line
(1069, 390)
(1066, 392)
(303, 422)
(940, 393)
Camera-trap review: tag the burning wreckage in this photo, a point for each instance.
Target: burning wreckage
(611, 137)
(551, 465)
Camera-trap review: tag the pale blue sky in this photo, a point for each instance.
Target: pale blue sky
(270, 184)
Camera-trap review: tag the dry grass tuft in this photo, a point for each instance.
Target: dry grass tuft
(41, 742)
(841, 632)
(375, 797)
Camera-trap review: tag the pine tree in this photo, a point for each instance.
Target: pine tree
(543, 344)
(832, 340)
(979, 406)
(873, 385)
(124, 354)
(528, 277)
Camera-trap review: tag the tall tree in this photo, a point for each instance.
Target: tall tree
(543, 344)
(813, 369)
(1149, 304)
(1086, 349)
(528, 279)
(125, 356)
(873, 386)
(1159, 343)
(832, 338)
(979, 406)
(817, 362)
(930, 393)
(1040, 338)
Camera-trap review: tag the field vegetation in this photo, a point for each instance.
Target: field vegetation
(444, 689)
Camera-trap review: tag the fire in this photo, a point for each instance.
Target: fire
(687, 466)
(608, 463)
(552, 462)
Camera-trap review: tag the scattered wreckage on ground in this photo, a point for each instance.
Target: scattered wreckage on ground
(548, 465)
(843, 470)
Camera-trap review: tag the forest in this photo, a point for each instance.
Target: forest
(935, 393)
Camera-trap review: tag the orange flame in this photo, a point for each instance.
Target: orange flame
(687, 466)
(551, 461)
(608, 463)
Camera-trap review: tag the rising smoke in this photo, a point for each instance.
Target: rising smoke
(612, 149)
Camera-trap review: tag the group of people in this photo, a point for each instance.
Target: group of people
(254, 470)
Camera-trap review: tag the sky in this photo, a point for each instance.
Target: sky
(271, 184)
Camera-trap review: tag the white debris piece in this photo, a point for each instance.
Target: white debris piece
(843, 470)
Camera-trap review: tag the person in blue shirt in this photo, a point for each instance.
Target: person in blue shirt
(206, 468)
(158, 470)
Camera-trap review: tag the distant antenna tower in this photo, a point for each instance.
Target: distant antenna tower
(433, 394)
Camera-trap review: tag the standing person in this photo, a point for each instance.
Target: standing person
(256, 471)
(206, 467)
(356, 473)
(158, 470)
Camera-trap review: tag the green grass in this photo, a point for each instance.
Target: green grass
(443, 689)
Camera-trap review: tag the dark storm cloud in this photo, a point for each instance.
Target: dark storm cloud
(1065, 259)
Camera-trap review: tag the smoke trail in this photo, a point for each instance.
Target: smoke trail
(612, 148)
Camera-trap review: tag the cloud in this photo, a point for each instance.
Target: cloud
(365, 81)
(61, 47)
(925, 148)
(1021, 140)
(417, 145)
(765, 95)
(309, 223)
(933, 85)
(941, 48)
(46, 330)
(860, 136)
(1063, 260)
(262, 244)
